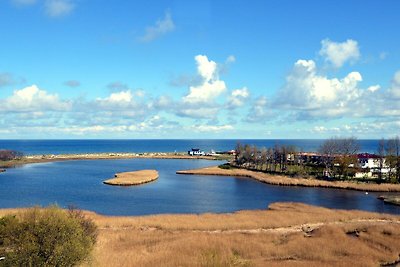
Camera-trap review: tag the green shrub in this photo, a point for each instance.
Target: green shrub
(225, 166)
(46, 237)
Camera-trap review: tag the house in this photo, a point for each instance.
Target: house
(370, 165)
(367, 160)
(196, 152)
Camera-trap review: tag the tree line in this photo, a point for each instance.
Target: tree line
(10, 155)
(389, 156)
(337, 158)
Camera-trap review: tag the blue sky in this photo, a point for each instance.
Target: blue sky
(199, 69)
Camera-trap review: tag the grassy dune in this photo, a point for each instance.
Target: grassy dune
(288, 181)
(289, 234)
(133, 178)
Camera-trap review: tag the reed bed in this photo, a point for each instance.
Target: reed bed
(289, 181)
(289, 234)
(220, 239)
(133, 178)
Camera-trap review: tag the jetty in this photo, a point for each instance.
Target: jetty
(133, 178)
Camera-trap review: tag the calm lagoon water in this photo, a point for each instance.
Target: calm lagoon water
(79, 183)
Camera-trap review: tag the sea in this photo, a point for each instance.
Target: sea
(40, 147)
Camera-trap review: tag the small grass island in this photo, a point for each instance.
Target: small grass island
(133, 178)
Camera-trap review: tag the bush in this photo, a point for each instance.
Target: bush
(46, 237)
(225, 166)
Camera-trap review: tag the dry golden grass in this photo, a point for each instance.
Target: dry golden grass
(133, 178)
(287, 181)
(289, 234)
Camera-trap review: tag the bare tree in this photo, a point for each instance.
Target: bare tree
(347, 156)
(393, 157)
(328, 149)
(381, 157)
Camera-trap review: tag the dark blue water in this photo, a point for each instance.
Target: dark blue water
(32, 147)
(79, 183)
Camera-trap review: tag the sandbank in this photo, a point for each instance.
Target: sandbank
(133, 178)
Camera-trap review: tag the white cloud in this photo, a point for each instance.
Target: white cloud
(210, 88)
(31, 98)
(238, 97)
(374, 88)
(198, 112)
(307, 90)
(162, 27)
(117, 101)
(394, 90)
(259, 111)
(339, 53)
(58, 8)
(212, 128)
(231, 59)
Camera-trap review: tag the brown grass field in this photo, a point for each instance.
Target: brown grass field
(285, 234)
(133, 178)
(288, 181)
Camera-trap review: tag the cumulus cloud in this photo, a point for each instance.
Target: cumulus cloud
(316, 94)
(339, 53)
(72, 83)
(198, 112)
(210, 88)
(238, 98)
(58, 8)
(395, 86)
(161, 27)
(118, 100)
(31, 98)
(259, 111)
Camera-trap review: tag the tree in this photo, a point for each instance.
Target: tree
(393, 158)
(381, 157)
(10, 155)
(46, 237)
(328, 149)
(341, 152)
(347, 155)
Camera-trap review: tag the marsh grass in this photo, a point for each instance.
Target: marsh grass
(237, 239)
(291, 181)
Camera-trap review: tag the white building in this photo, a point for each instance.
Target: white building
(196, 152)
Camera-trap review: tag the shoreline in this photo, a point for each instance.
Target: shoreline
(99, 156)
(285, 233)
(286, 181)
